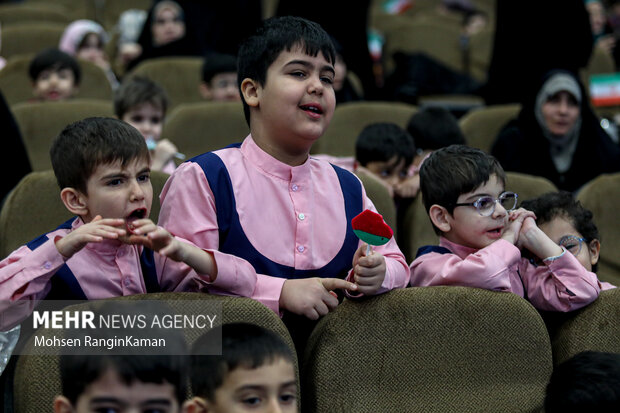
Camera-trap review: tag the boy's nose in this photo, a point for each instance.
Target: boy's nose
(315, 85)
(500, 211)
(137, 193)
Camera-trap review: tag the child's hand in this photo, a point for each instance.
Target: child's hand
(368, 271)
(515, 221)
(163, 153)
(95, 231)
(312, 297)
(408, 188)
(535, 240)
(146, 232)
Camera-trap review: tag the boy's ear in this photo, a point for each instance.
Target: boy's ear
(595, 248)
(196, 405)
(440, 217)
(62, 405)
(205, 91)
(74, 201)
(249, 90)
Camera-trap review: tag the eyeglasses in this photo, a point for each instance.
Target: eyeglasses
(486, 204)
(572, 243)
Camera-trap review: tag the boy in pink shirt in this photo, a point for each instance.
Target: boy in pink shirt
(483, 236)
(282, 217)
(110, 248)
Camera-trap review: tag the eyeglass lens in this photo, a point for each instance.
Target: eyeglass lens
(486, 205)
(571, 243)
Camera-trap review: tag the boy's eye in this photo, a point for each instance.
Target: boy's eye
(107, 410)
(115, 182)
(298, 74)
(385, 173)
(136, 118)
(144, 178)
(485, 203)
(251, 401)
(327, 79)
(155, 120)
(288, 398)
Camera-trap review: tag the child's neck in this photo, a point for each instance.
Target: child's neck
(284, 155)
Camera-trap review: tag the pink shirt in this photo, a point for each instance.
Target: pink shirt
(294, 216)
(559, 285)
(103, 270)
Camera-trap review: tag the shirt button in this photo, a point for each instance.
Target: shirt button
(294, 188)
(301, 216)
(301, 248)
(127, 282)
(47, 265)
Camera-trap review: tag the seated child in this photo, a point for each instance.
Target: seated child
(482, 235)
(432, 128)
(124, 380)
(255, 371)
(110, 248)
(570, 225)
(142, 103)
(55, 75)
(280, 218)
(219, 78)
(587, 382)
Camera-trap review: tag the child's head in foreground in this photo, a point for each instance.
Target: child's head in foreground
(569, 224)
(256, 372)
(460, 186)
(55, 75)
(142, 103)
(219, 78)
(102, 166)
(285, 75)
(587, 382)
(386, 150)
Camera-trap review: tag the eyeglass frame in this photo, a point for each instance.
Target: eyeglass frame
(476, 203)
(580, 240)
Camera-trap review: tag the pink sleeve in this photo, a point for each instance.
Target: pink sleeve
(560, 285)
(488, 268)
(24, 280)
(188, 211)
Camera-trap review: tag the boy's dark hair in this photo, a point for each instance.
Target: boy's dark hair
(243, 345)
(276, 34)
(454, 170)
(381, 141)
(433, 128)
(83, 145)
(54, 59)
(216, 63)
(564, 205)
(138, 90)
(587, 382)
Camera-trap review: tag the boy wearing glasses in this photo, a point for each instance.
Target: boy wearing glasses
(482, 236)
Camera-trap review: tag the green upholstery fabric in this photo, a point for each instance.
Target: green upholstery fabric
(481, 126)
(17, 86)
(25, 12)
(30, 37)
(352, 117)
(595, 327)
(528, 186)
(381, 198)
(428, 349)
(34, 208)
(41, 122)
(179, 76)
(416, 230)
(37, 378)
(602, 197)
(200, 127)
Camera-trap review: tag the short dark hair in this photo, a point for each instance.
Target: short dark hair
(275, 34)
(54, 59)
(563, 204)
(381, 142)
(83, 145)
(587, 382)
(455, 170)
(433, 128)
(216, 63)
(243, 345)
(137, 90)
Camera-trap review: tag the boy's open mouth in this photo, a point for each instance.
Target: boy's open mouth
(135, 215)
(312, 108)
(496, 231)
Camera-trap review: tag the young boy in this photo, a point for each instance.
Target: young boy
(55, 75)
(107, 250)
(282, 218)
(255, 373)
(482, 235)
(219, 78)
(127, 380)
(143, 103)
(570, 225)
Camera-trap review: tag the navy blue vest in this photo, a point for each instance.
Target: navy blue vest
(234, 241)
(66, 287)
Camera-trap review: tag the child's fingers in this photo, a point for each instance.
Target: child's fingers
(336, 283)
